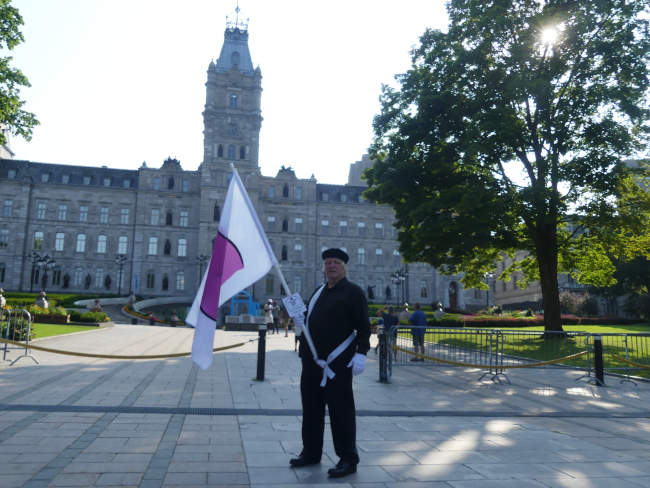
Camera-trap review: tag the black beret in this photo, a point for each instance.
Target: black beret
(335, 252)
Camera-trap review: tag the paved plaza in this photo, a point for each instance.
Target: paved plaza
(73, 421)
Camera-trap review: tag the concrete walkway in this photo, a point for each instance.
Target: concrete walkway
(72, 421)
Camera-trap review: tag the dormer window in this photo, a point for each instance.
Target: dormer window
(170, 183)
(233, 98)
(220, 151)
(234, 58)
(285, 190)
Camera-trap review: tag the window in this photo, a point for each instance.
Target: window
(183, 218)
(56, 277)
(59, 241)
(81, 242)
(180, 281)
(167, 247)
(65, 179)
(63, 210)
(38, 241)
(269, 285)
(379, 229)
(324, 225)
(124, 216)
(271, 191)
(361, 228)
(285, 225)
(242, 152)
(45, 177)
(344, 197)
(232, 101)
(101, 244)
(103, 215)
(77, 278)
(86, 180)
(182, 247)
(99, 277)
(270, 223)
(231, 151)
(343, 227)
(298, 250)
(220, 151)
(298, 224)
(126, 183)
(424, 289)
(122, 245)
(186, 185)
(284, 253)
(165, 283)
(7, 208)
(4, 237)
(379, 255)
(169, 218)
(379, 289)
(361, 256)
(153, 246)
(156, 183)
(11, 174)
(151, 279)
(40, 210)
(324, 196)
(298, 193)
(155, 216)
(216, 213)
(297, 284)
(107, 181)
(170, 183)
(83, 213)
(285, 191)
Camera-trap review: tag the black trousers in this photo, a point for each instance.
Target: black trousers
(337, 395)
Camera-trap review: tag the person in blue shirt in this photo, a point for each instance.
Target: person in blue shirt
(418, 318)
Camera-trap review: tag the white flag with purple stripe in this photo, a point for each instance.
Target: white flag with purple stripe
(241, 255)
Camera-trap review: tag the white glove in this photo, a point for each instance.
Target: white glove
(357, 363)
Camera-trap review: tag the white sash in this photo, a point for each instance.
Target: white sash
(327, 371)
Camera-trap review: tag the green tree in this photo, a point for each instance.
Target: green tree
(509, 132)
(12, 117)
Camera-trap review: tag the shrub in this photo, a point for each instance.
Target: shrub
(94, 317)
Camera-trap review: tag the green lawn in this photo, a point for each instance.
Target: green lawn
(48, 330)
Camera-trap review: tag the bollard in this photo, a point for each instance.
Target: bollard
(383, 354)
(598, 360)
(261, 353)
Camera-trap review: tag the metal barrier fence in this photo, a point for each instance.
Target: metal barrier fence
(16, 325)
(495, 351)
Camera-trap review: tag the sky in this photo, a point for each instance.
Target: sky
(119, 82)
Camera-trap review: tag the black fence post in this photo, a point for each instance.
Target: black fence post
(383, 354)
(261, 353)
(598, 361)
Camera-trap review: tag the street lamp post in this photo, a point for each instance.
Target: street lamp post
(201, 259)
(488, 278)
(398, 278)
(120, 259)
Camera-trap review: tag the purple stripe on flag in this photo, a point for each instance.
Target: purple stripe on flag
(226, 260)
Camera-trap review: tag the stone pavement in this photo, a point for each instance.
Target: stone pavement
(72, 421)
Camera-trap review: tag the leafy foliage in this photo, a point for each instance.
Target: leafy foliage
(498, 141)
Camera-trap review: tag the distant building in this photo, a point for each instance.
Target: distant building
(163, 220)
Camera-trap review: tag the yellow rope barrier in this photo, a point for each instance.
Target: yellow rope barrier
(632, 363)
(110, 356)
(469, 365)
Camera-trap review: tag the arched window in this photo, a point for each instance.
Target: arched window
(220, 151)
(234, 98)
(165, 282)
(285, 191)
(285, 225)
(170, 183)
(242, 152)
(284, 253)
(168, 218)
(216, 214)
(66, 280)
(167, 250)
(88, 281)
(108, 282)
(231, 151)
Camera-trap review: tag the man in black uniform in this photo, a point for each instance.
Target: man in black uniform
(336, 311)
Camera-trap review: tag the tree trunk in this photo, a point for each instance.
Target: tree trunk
(547, 257)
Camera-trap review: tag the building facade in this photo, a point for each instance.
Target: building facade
(106, 230)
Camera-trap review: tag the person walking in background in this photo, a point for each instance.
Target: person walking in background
(390, 326)
(419, 320)
(276, 316)
(268, 315)
(337, 322)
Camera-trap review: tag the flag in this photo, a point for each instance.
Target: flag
(241, 255)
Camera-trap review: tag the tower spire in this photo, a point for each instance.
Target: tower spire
(243, 25)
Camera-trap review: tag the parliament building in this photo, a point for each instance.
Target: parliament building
(150, 230)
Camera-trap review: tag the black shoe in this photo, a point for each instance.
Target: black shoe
(301, 461)
(343, 468)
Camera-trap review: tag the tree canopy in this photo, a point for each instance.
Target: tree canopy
(12, 116)
(510, 132)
